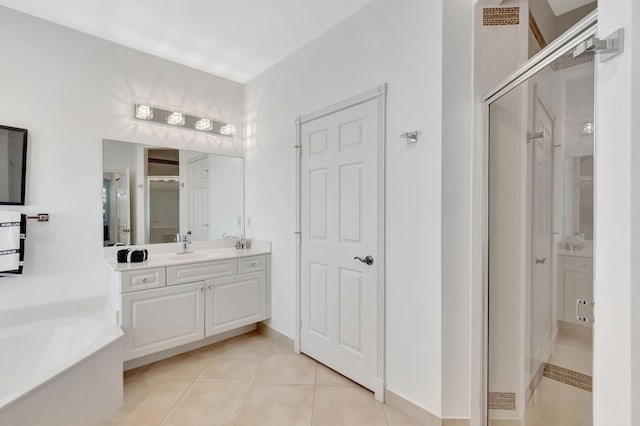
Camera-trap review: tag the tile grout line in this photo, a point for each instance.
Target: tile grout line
(187, 388)
(253, 382)
(175, 403)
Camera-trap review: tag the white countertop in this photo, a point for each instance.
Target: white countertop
(157, 260)
(585, 252)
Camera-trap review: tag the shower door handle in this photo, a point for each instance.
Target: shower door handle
(579, 316)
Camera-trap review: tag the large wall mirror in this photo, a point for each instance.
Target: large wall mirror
(151, 195)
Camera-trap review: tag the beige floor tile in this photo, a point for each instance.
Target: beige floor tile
(327, 377)
(278, 405)
(208, 404)
(572, 358)
(146, 403)
(556, 403)
(180, 368)
(288, 369)
(396, 418)
(231, 367)
(279, 348)
(347, 406)
(134, 375)
(250, 343)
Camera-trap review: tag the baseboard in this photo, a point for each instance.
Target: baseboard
(268, 331)
(419, 414)
(159, 356)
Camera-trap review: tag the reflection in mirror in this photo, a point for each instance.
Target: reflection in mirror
(152, 195)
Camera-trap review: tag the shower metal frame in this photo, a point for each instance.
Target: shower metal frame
(568, 41)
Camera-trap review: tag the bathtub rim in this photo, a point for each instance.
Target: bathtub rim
(110, 335)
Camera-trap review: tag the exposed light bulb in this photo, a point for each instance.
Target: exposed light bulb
(228, 130)
(204, 124)
(144, 112)
(175, 119)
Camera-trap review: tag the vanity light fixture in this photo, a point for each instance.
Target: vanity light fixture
(588, 128)
(204, 124)
(176, 119)
(144, 112)
(186, 121)
(228, 130)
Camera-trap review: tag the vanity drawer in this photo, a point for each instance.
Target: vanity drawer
(142, 279)
(182, 274)
(252, 264)
(578, 264)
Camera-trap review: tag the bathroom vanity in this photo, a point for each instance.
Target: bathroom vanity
(575, 280)
(173, 299)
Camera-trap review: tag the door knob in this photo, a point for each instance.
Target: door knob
(540, 260)
(368, 260)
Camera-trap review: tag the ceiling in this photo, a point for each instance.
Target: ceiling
(234, 39)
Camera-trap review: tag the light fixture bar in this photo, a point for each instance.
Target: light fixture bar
(165, 116)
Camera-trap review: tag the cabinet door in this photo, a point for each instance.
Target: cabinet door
(235, 301)
(159, 319)
(577, 285)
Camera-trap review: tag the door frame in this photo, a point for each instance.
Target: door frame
(580, 32)
(379, 93)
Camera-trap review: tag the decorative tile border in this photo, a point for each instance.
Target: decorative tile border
(502, 401)
(568, 377)
(495, 16)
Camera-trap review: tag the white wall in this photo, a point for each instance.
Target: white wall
(387, 41)
(72, 91)
(457, 151)
(616, 158)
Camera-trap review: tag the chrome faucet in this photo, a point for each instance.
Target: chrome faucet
(185, 242)
(241, 244)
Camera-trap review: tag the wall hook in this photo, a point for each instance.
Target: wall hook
(411, 137)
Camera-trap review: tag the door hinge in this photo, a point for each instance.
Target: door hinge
(608, 48)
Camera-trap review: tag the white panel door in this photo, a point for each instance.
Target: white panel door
(198, 199)
(159, 319)
(339, 221)
(541, 327)
(236, 301)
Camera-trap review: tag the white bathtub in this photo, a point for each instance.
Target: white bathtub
(62, 371)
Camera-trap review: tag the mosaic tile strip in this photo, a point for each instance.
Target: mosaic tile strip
(494, 16)
(501, 401)
(568, 377)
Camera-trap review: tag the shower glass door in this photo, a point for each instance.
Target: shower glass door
(540, 257)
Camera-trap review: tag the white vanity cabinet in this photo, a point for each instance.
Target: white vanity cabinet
(159, 319)
(163, 307)
(235, 301)
(576, 279)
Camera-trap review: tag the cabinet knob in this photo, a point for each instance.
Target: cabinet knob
(202, 289)
(145, 279)
(254, 263)
(210, 286)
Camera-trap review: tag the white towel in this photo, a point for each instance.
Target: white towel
(9, 241)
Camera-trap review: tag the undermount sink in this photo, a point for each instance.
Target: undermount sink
(188, 257)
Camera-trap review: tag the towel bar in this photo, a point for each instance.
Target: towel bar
(41, 217)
